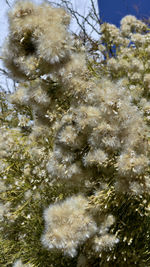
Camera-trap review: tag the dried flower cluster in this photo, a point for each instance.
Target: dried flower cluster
(80, 146)
(67, 225)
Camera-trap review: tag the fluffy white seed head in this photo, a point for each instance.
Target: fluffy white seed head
(67, 225)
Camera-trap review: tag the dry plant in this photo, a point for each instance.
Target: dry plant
(74, 144)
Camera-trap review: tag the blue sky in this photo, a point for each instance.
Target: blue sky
(113, 10)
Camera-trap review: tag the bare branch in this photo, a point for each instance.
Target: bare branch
(95, 13)
(85, 19)
(8, 3)
(4, 71)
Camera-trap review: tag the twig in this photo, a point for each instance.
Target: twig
(4, 71)
(94, 12)
(8, 3)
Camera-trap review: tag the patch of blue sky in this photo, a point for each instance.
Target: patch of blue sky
(112, 11)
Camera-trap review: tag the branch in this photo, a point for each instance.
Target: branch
(8, 3)
(68, 5)
(4, 71)
(95, 13)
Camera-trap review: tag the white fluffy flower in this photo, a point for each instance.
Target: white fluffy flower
(68, 225)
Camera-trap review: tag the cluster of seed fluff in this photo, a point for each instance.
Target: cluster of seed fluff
(7, 142)
(15, 151)
(42, 55)
(12, 144)
(130, 63)
(130, 24)
(111, 32)
(106, 127)
(68, 225)
(105, 240)
(36, 45)
(4, 210)
(133, 44)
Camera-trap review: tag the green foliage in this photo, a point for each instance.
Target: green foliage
(131, 226)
